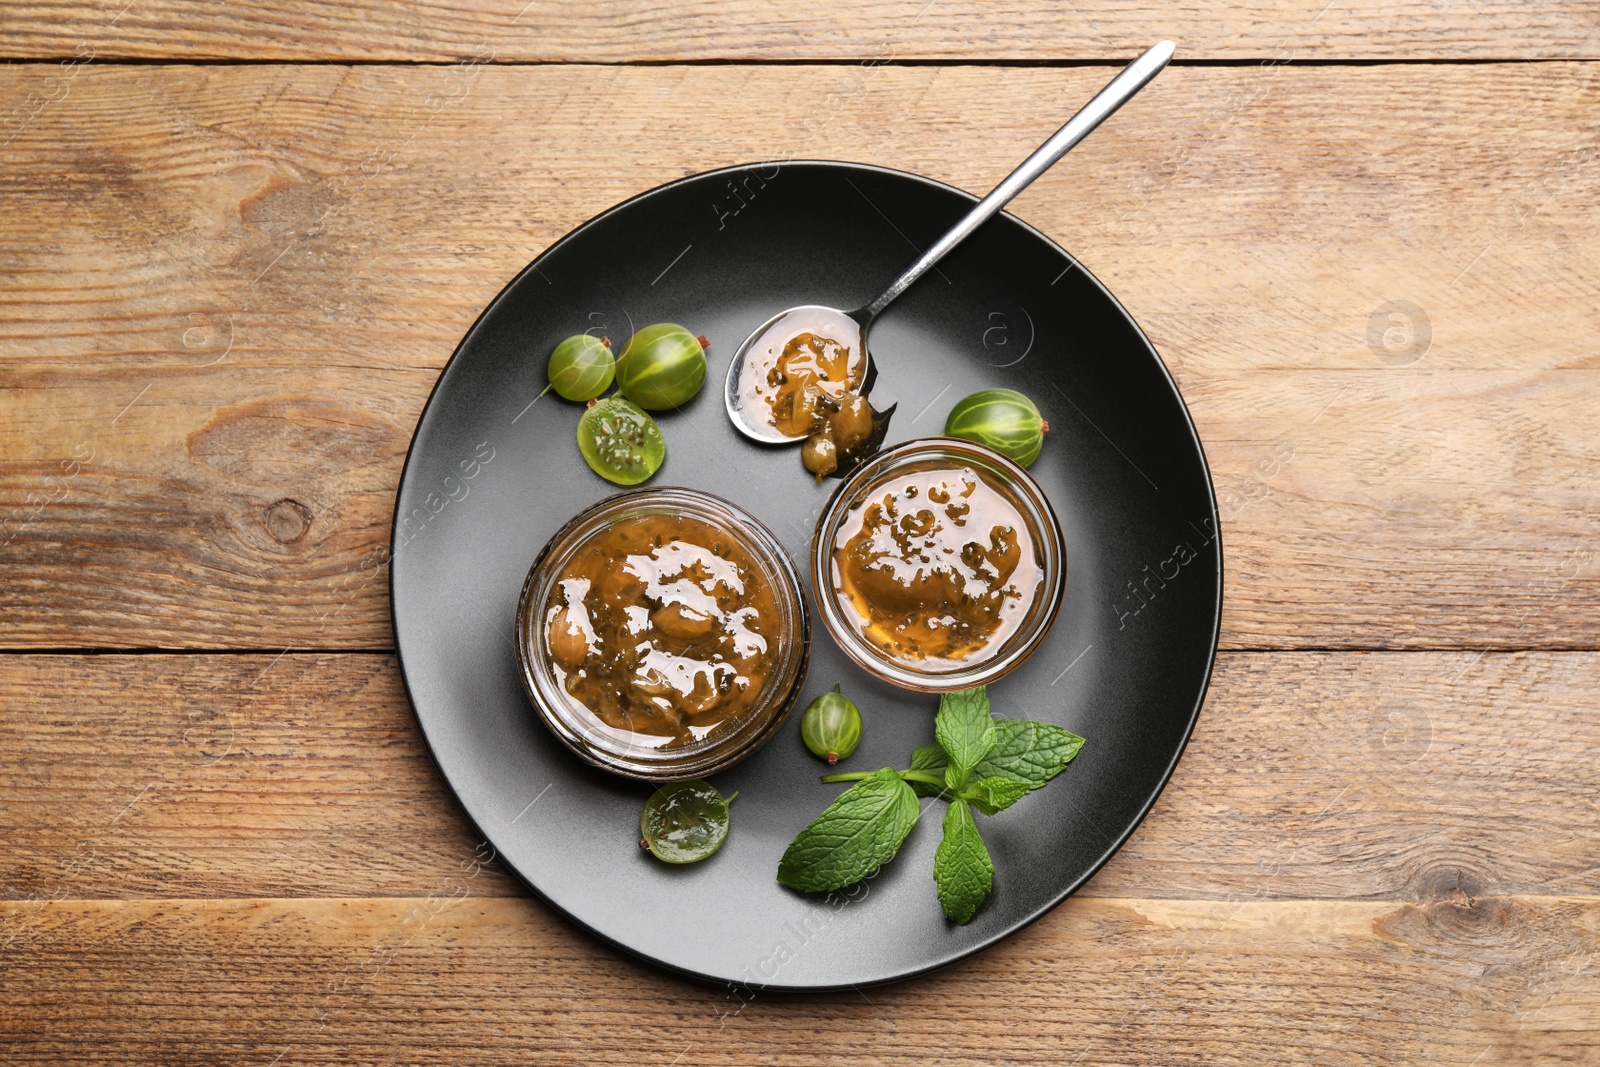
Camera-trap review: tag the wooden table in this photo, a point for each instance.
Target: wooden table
(237, 244)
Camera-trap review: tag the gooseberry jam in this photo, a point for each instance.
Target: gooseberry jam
(804, 357)
(663, 634)
(938, 565)
(661, 626)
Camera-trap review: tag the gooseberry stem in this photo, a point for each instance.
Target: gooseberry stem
(926, 777)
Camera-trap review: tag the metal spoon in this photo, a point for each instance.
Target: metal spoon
(1117, 92)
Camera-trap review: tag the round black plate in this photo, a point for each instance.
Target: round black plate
(493, 473)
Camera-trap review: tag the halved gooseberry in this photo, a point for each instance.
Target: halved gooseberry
(684, 822)
(619, 442)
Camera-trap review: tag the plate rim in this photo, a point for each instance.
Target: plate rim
(968, 951)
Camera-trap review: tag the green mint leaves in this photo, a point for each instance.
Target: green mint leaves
(962, 870)
(990, 795)
(965, 731)
(930, 758)
(1028, 752)
(976, 762)
(857, 834)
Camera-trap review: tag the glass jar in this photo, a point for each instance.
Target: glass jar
(938, 565)
(662, 634)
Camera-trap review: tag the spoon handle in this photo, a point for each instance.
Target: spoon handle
(1119, 90)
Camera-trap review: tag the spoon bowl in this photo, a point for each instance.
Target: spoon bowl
(747, 386)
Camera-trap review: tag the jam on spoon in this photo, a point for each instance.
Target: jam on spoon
(804, 374)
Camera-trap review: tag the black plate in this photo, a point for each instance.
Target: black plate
(490, 478)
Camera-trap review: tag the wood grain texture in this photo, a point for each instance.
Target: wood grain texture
(228, 291)
(1405, 776)
(1500, 980)
(225, 292)
(753, 30)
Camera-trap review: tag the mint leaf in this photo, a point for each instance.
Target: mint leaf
(990, 795)
(965, 731)
(930, 758)
(1029, 752)
(854, 836)
(962, 870)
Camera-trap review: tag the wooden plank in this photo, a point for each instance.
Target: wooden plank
(1500, 980)
(222, 776)
(1409, 776)
(756, 30)
(229, 290)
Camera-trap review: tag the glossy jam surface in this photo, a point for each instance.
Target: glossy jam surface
(663, 629)
(936, 566)
(802, 357)
(811, 367)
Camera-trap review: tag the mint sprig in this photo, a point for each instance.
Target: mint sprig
(976, 762)
(932, 760)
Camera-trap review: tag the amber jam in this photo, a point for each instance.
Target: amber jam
(803, 376)
(939, 564)
(663, 634)
(805, 357)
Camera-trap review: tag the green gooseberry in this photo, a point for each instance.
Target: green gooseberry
(1001, 419)
(684, 822)
(581, 367)
(619, 442)
(831, 726)
(662, 366)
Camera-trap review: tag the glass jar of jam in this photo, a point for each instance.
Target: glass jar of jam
(662, 634)
(938, 565)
